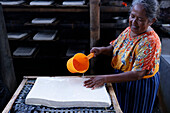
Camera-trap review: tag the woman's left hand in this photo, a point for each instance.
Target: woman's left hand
(95, 82)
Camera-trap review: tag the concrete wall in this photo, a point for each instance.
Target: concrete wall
(164, 92)
(165, 83)
(165, 46)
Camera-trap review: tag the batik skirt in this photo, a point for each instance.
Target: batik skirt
(137, 96)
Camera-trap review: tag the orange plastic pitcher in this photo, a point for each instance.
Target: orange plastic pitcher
(79, 63)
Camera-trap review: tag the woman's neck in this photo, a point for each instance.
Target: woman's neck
(134, 35)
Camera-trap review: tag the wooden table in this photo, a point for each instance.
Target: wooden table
(26, 78)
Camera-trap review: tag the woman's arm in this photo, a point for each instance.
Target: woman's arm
(99, 80)
(102, 50)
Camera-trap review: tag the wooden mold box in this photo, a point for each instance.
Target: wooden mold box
(29, 80)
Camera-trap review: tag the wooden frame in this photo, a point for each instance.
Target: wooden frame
(24, 81)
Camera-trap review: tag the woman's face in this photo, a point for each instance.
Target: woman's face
(138, 21)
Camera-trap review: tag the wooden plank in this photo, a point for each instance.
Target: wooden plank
(114, 98)
(114, 9)
(85, 8)
(45, 9)
(114, 25)
(12, 100)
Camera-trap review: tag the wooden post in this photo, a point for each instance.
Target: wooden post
(94, 22)
(6, 64)
(94, 28)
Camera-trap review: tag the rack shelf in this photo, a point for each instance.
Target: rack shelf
(77, 26)
(61, 8)
(51, 8)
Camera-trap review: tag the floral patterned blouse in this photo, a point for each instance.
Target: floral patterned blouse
(137, 53)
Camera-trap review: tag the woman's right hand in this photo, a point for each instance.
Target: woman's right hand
(96, 51)
(95, 82)
(102, 50)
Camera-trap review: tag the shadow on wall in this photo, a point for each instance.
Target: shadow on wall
(7, 77)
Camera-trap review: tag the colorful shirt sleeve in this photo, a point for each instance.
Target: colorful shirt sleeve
(145, 53)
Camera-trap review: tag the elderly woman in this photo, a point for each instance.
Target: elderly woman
(136, 56)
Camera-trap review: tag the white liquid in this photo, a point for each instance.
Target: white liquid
(83, 75)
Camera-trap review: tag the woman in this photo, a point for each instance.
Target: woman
(136, 56)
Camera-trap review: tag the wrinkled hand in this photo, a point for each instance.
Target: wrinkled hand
(96, 51)
(94, 82)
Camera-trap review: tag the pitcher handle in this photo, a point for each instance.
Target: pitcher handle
(91, 55)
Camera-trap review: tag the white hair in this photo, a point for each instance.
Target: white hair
(151, 7)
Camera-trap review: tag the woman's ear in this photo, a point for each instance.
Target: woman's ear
(151, 22)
